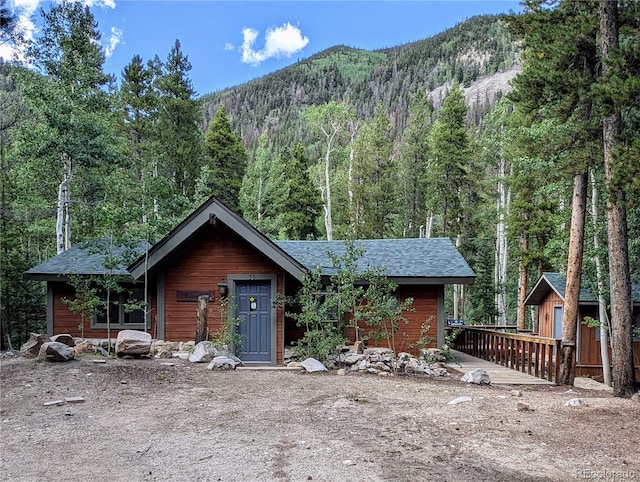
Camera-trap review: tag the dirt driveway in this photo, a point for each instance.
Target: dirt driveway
(141, 420)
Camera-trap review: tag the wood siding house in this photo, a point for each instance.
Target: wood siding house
(214, 251)
(548, 295)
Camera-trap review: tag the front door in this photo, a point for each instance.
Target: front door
(254, 309)
(557, 321)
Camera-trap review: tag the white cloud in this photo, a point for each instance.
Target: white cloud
(114, 40)
(279, 42)
(27, 10)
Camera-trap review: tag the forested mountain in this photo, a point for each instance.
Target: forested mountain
(486, 134)
(480, 54)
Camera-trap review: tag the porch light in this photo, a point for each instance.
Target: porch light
(222, 288)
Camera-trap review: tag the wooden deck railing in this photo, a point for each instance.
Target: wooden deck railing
(529, 354)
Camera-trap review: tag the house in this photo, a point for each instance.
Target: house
(215, 252)
(548, 295)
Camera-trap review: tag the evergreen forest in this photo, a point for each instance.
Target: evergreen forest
(486, 134)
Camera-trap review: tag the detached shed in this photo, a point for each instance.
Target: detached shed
(548, 294)
(215, 252)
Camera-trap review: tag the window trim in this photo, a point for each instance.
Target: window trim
(120, 302)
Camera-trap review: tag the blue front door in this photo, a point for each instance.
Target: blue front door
(254, 309)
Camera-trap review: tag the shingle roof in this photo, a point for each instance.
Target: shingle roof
(411, 261)
(86, 259)
(558, 283)
(399, 258)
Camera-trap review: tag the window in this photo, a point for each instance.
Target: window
(122, 310)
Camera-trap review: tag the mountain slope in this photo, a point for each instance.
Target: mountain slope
(478, 53)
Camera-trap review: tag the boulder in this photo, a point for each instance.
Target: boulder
(313, 365)
(133, 343)
(31, 348)
(205, 351)
(64, 338)
(55, 351)
(222, 363)
(85, 347)
(479, 376)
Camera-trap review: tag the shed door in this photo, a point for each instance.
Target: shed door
(254, 308)
(557, 321)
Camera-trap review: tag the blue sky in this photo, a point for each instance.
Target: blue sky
(231, 42)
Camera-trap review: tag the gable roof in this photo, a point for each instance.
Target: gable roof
(406, 261)
(88, 259)
(558, 283)
(213, 211)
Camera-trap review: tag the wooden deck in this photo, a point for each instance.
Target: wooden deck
(499, 375)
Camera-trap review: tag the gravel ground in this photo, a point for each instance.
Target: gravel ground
(143, 421)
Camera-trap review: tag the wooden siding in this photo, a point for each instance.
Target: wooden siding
(425, 309)
(215, 254)
(64, 321)
(588, 359)
(546, 314)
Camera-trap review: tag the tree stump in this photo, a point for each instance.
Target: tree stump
(201, 318)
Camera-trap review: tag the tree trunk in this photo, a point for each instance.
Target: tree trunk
(620, 279)
(501, 247)
(602, 304)
(522, 283)
(202, 318)
(63, 215)
(574, 274)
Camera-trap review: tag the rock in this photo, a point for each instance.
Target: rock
(636, 397)
(205, 351)
(352, 358)
(522, 407)
(479, 376)
(84, 347)
(458, 400)
(163, 349)
(348, 462)
(222, 363)
(54, 351)
(294, 364)
(313, 365)
(590, 384)
(440, 372)
(183, 355)
(341, 371)
(133, 343)
(515, 393)
(31, 348)
(574, 402)
(64, 338)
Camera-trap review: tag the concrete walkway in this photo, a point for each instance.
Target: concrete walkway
(499, 375)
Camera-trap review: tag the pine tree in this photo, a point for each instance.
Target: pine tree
(413, 165)
(226, 160)
(302, 203)
(375, 179)
(449, 164)
(179, 134)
